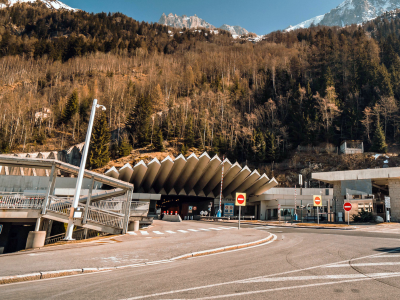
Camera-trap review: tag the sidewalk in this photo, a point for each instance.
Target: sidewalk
(157, 245)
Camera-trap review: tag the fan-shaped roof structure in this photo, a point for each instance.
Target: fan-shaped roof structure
(193, 176)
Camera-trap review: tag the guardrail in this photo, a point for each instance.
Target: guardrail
(107, 218)
(20, 202)
(77, 235)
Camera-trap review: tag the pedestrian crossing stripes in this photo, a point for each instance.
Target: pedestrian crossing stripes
(197, 230)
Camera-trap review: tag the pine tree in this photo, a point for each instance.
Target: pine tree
(124, 148)
(270, 148)
(71, 108)
(379, 142)
(158, 139)
(138, 122)
(99, 154)
(189, 134)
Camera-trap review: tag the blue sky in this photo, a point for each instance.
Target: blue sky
(259, 16)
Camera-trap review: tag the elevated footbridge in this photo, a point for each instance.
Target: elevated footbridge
(107, 212)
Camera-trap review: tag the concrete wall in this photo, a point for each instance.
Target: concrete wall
(394, 193)
(291, 191)
(337, 194)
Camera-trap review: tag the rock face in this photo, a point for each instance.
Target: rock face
(235, 30)
(195, 22)
(351, 12)
(184, 21)
(54, 4)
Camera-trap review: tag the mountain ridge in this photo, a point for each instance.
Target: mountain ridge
(53, 4)
(350, 12)
(194, 22)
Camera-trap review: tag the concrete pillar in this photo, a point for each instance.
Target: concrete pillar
(35, 239)
(263, 210)
(38, 223)
(394, 194)
(337, 194)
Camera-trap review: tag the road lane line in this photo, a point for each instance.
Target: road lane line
(286, 288)
(322, 277)
(169, 231)
(214, 228)
(388, 256)
(260, 277)
(204, 229)
(183, 231)
(157, 232)
(365, 265)
(194, 230)
(144, 233)
(132, 233)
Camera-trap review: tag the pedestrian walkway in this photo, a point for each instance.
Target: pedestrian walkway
(197, 230)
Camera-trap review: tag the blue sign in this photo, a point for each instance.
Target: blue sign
(1, 228)
(229, 209)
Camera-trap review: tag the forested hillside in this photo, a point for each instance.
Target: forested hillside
(186, 89)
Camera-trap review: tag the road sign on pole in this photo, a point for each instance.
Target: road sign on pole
(317, 200)
(347, 207)
(240, 201)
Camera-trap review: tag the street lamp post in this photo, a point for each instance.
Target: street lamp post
(70, 229)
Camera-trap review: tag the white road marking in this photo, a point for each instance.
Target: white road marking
(158, 232)
(267, 276)
(322, 277)
(194, 230)
(214, 228)
(169, 231)
(183, 231)
(388, 256)
(131, 233)
(204, 229)
(364, 265)
(227, 228)
(287, 288)
(144, 233)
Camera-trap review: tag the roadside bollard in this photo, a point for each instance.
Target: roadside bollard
(167, 212)
(176, 213)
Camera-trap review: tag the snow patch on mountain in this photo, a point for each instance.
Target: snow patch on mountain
(306, 24)
(194, 22)
(54, 4)
(351, 12)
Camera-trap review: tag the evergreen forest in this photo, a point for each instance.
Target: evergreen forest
(185, 89)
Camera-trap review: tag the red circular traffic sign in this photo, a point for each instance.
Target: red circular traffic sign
(317, 200)
(347, 206)
(240, 199)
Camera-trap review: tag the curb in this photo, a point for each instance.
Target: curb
(62, 273)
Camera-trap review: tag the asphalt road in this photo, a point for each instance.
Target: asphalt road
(299, 264)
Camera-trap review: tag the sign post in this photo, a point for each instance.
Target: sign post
(347, 207)
(240, 201)
(317, 204)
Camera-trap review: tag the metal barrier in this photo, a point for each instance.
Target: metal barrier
(20, 202)
(77, 235)
(107, 218)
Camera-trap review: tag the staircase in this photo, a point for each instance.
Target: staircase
(102, 219)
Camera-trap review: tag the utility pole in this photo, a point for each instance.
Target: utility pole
(70, 228)
(219, 214)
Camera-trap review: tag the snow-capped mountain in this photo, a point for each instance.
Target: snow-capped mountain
(235, 30)
(54, 4)
(351, 12)
(194, 22)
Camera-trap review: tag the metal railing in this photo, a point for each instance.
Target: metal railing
(113, 205)
(139, 206)
(18, 201)
(107, 218)
(77, 235)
